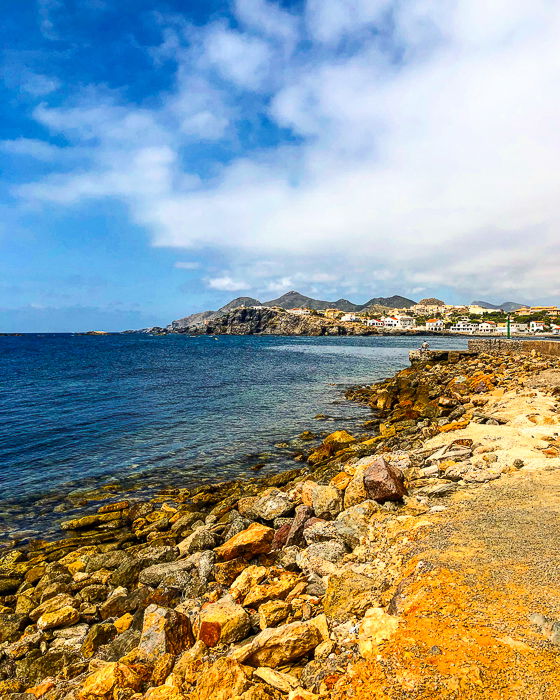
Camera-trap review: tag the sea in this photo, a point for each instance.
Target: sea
(86, 418)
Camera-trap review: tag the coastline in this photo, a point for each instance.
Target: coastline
(298, 572)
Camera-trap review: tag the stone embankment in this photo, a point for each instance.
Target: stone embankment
(420, 563)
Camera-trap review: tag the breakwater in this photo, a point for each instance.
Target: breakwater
(514, 345)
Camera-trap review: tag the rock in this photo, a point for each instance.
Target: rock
(323, 531)
(164, 692)
(349, 595)
(376, 627)
(102, 683)
(278, 645)
(223, 622)
(154, 575)
(278, 585)
(11, 625)
(107, 560)
(97, 636)
(295, 534)
(321, 558)
(284, 682)
(51, 605)
(256, 539)
(123, 623)
(164, 631)
(272, 504)
(90, 521)
(327, 502)
(225, 679)
(226, 572)
(62, 617)
(333, 443)
(356, 491)
(281, 535)
(437, 490)
(198, 541)
(272, 613)
(121, 645)
(384, 482)
(358, 517)
(246, 580)
(480, 476)
(34, 669)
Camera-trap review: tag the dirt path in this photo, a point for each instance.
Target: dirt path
(478, 570)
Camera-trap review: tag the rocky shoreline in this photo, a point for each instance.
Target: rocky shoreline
(275, 588)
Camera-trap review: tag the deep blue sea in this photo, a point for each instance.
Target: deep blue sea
(80, 413)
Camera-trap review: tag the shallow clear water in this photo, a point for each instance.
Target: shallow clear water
(78, 412)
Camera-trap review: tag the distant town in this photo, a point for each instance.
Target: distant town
(436, 315)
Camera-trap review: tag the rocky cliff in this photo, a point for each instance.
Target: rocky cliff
(269, 321)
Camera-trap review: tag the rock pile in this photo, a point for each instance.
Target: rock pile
(269, 593)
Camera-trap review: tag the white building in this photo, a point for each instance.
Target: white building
(464, 327)
(390, 321)
(435, 324)
(536, 326)
(555, 328)
(487, 327)
(349, 317)
(374, 322)
(299, 312)
(406, 322)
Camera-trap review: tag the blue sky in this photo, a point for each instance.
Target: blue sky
(159, 158)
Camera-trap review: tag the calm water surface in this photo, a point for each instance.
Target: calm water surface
(80, 412)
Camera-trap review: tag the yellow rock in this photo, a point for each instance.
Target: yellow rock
(123, 623)
(63, 617)
(376, 627)
(164, 692)
(101, 684)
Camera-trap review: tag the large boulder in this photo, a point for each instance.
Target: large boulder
(295, 534)
(226, 678)
(349, 594)
(384, 482)
(103, 683)
(272, 504)
(223, 622)
(327, 502)
(278, 645)
(164, 631)
(333, 443)
(256, 539)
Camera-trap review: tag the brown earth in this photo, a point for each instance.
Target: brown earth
(486, 563)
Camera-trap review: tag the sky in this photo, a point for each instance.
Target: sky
(159, 158)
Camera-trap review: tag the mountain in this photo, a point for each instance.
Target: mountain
(394, 302)
(295, 300)
(239, 303)
(507, 306)
(431, 301)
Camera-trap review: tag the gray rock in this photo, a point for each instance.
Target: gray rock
(323, 531)
(272, 504)
(154, 575)
(327, 501)
(200, 539)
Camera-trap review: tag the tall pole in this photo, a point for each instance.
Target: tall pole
(509, 326)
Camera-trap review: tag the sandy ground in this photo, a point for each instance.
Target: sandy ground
(477, 571)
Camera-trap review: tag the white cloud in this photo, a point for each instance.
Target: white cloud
(330, 20)
(227, 284)
(268, 18)
(241, 58)
(424, 154)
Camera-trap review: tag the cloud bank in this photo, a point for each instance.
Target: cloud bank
(354, 144)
